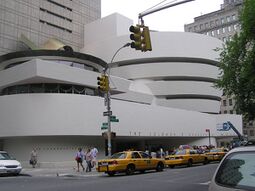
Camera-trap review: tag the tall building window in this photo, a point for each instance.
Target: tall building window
(231, 111)
(224, 103)
(223, 30)
(234, 17)
(224, 39)
(216, 22)
(229, 28)
(225, 111)
(235, 27)
(222, 20)
(228, 18)
(211, 24)
(218, 31)
(206, 25)
(230, 102)
(201, 26)
(251, 132)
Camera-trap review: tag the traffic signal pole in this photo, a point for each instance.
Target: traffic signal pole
(109, 132)
(107, 96)
(141, 15)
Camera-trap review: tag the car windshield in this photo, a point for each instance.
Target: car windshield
(145, 155)
(180, 152)
(5, 156)
(216, 150)
(119, 156)
(238, 171)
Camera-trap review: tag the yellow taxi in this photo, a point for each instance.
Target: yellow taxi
(185, 157)
(216, 154)
(129, 162)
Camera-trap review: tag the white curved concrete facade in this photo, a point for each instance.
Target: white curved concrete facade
(161, 70)
(180, 69)
(75, 115)
(57, 124)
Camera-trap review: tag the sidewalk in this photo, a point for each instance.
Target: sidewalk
(58, 172)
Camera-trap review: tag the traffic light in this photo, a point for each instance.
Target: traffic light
(103, 83)
(146, 41)
(140, 37)
(136, 37)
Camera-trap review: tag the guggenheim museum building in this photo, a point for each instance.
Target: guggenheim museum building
(163, 98)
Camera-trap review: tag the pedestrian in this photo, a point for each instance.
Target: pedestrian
(79, 159)
(94, 152)
(153, 154)
(88, 158)
(33, 158)
(162, 153)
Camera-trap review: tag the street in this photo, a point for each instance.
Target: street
(180, 178)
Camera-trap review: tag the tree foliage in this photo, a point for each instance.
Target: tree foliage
(237, 63)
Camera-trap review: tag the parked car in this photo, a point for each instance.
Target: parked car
(216, 154)
(185, 157)
(236, 171)
(8, 165)
(129, 162)
(250, 142)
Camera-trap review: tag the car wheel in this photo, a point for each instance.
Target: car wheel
(189, 163)
(111, 173)
(130, 169)
(160, 167)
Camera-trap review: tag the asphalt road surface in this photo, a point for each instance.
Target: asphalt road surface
(180, 179)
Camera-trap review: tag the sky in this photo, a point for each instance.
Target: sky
(170, 19)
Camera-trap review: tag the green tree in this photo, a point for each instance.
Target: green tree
(237, 63)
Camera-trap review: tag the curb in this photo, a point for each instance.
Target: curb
(76, 175)
(56, 173)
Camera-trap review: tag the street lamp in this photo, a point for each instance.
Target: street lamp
(108, 103)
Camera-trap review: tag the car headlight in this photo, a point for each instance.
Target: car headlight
(19, 165)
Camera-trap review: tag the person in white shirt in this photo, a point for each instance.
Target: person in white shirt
(94, 152)
(88, 158)
(79, 159)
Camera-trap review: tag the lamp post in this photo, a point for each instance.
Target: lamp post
(209, 135)
(108, 103)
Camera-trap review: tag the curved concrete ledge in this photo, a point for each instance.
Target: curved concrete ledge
(19, 57)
